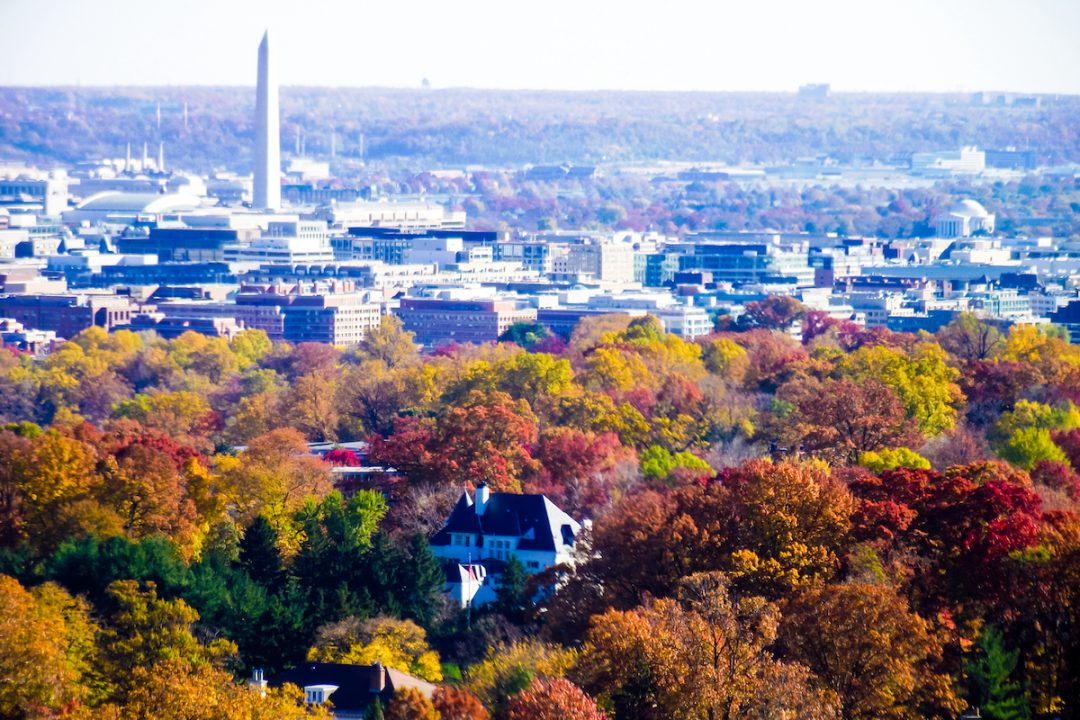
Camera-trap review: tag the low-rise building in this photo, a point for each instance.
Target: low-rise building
(173, 327)
(938, 163)
(1003, 303)
(484, 532)
(746, 263)
(874, 307)
(36, 342)
(1045, 303)
(328, 313)
(402, 216)
(606, 260)
(286, 242)
(440, 321)
(392, 245)
(49, 192)
(350, 690)
(655, 269)
(338, 319)
(268, 317)
(538, 255)
(369, 274)
(1068, 317)
(188, 244)
(68, 315)
(686, 321)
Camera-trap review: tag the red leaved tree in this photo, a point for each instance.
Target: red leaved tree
(557, 699)
(487, 439)
(579, 469)
(457, 704)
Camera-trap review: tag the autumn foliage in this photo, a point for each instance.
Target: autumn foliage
(557, 699)
(848, 524)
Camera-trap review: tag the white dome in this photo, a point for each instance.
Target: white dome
(969, 208)
(119, 202)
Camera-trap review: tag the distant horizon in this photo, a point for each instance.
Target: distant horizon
(472, 88)
(858, 46)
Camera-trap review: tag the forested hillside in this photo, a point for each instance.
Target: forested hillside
(841, 524)
(428, 128)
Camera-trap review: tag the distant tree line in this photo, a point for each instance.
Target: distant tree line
(457, 126)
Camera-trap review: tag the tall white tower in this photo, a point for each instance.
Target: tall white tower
(266, 193)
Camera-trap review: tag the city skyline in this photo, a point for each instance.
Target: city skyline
(957, 46)
(478, 360)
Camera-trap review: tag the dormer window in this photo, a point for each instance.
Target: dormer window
(318, 694)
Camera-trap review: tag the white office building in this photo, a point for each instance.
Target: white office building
(289, 242)
(966, 160)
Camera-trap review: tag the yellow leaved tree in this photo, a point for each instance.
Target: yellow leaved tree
(398, 644)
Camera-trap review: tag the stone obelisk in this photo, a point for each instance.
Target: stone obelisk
(266, 193)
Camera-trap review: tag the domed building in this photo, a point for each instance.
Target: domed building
(964, 219)
(123, 208)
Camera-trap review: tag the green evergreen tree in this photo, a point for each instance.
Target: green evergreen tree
(525, 334)
(337, 541)
(510, 596)
(381, 571)
(87, 565)
(317, 565)
(280, 637)
(259, 554)
(375, 711)
(991, 690)
(424, 579)
(221, 547)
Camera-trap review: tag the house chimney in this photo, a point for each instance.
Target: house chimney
(482, 496)
(258, 682)
(378, 677)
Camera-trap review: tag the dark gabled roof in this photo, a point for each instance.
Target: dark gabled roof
(515, 515)
(462, 520)
(353, 682)
(463, 516)
(533, 518)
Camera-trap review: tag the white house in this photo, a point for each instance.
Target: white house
(481, 536)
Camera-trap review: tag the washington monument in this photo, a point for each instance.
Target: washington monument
(266, 193)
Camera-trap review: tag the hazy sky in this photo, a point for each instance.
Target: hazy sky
(894, 45)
